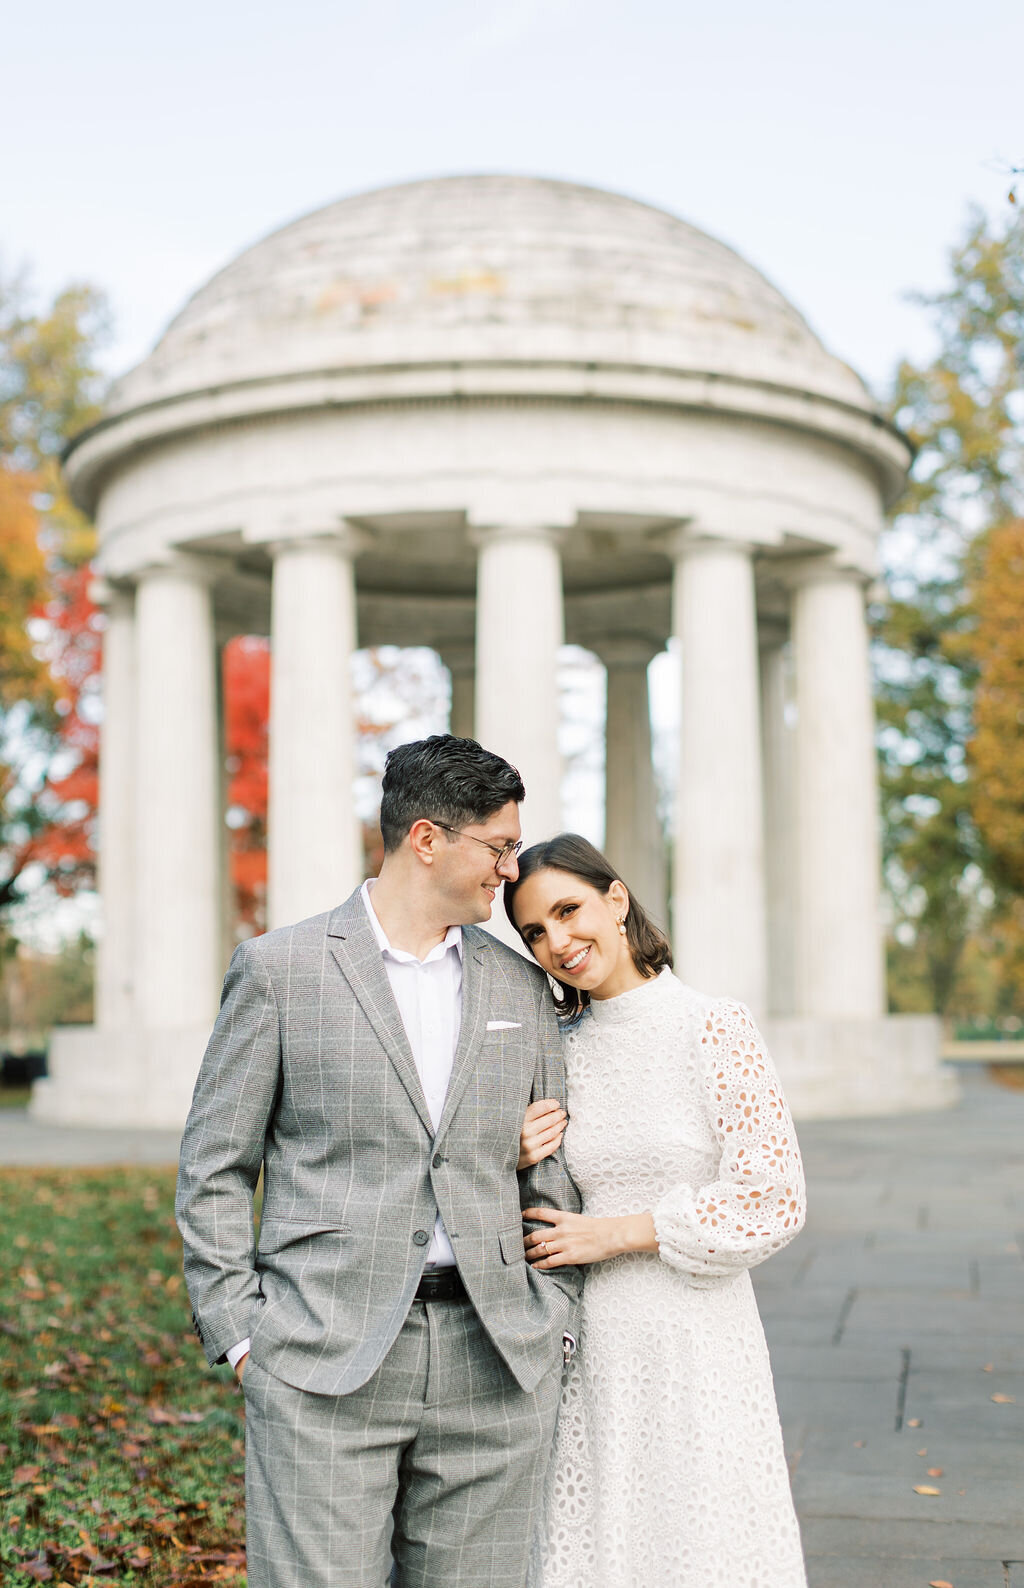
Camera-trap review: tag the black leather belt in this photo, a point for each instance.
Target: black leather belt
(441, 1284)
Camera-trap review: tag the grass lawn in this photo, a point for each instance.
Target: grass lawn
(121, 1453)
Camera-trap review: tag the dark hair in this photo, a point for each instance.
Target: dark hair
(570, 853)
(443, 779)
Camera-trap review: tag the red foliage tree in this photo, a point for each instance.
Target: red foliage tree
(246, 669)
(61, 823)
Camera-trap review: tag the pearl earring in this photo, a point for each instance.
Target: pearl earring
(622, 926)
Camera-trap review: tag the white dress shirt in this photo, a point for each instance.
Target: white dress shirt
(428, 993)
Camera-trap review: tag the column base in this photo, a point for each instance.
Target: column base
(849, 1068)
(119, 1078)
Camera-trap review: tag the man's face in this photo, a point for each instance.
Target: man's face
(466, 867)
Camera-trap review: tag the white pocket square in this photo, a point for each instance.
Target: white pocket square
(503, 1025)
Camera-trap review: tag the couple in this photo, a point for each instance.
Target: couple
(405, 1328)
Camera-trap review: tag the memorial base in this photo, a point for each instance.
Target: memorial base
(119, 1078)
(849, 1069)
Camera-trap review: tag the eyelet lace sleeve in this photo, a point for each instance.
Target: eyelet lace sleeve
(758, 1201)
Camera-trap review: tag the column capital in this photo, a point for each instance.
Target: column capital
(689, 539)
(626, 650)
(803, 571)
(195, 567)
(344, 538)
(550, 534)
(106, 593)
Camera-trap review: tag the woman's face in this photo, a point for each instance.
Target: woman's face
(572, 930)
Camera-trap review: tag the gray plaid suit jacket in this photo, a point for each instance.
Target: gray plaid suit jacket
(309, 1074)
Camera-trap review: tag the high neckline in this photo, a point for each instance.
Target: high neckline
(628, 1004)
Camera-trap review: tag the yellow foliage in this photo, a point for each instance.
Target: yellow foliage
(997, 748)
(24, 588)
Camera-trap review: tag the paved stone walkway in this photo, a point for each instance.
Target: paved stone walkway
(892, 1321)
(23, 1142)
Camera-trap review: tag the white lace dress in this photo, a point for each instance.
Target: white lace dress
(668, 1466)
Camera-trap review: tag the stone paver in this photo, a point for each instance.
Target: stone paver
(882, 1319)
(26, 1143)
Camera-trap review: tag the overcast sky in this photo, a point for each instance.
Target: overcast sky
(837, 146)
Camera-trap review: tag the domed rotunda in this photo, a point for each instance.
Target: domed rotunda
(493, 415)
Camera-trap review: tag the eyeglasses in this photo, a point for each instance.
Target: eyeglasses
(501, 855)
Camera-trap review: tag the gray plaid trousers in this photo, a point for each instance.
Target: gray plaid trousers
(443, 1424)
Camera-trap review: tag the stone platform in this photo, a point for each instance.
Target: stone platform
(892, 1321)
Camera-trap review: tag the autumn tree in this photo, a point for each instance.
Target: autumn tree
(246, 686)
(49, 630)
(963, 412)
(996, 751)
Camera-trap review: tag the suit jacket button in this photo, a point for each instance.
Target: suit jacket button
(420, 1238)
(438, 1160)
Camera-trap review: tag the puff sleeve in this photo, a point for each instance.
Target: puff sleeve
(757, 1203)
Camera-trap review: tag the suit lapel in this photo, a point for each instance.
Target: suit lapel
(476, 972)
(359, 959)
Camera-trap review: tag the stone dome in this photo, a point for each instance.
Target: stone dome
(486, 272)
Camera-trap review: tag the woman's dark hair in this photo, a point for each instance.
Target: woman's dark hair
(570, 853)
(444, 780)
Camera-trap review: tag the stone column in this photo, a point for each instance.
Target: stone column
(839, 956)
(177, 816)
(718, 859)
(115, 970)
(519, 629)
(460, 660)
(778, 751)
(634, 841)
(314, 850)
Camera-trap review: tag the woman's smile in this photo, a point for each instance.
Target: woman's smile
(576, 961)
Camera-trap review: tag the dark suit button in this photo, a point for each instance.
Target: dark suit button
(420, 1238)
(438, 1160)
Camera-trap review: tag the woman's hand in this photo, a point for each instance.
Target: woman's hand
(542, 1132)
(574, 1238)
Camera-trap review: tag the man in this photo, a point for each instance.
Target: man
(398, 1356)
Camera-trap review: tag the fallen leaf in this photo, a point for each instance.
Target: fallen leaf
(925, 1488)
(935, 1472)
(858, 1444)
(39, 1569)
(988, 1367)
(26, 1474)
(1003, 1400)
(915, 1422)
(940, 1584)
(923, 1452)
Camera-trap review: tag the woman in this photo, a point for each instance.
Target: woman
(668, 1465)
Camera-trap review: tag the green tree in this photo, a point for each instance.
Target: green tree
(964, 414)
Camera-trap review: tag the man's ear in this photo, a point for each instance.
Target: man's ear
(422, 840)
